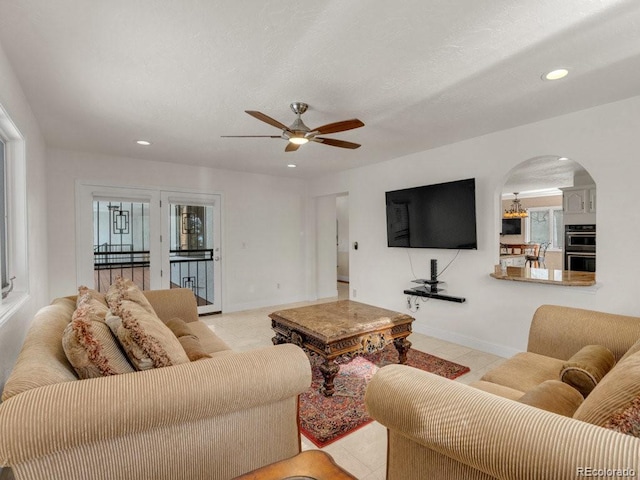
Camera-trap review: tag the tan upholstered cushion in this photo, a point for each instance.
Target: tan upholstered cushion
(125, 289)
(496, 389)
(613, 394)
(554, 396)
(145, 339)
(187, 339)
(524, 371)
(587, 367)
(88, 343)
(210, 341)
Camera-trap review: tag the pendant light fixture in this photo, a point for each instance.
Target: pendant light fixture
(516, 210)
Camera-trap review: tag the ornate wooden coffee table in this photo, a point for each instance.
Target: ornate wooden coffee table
(308, 465)
(336, 329)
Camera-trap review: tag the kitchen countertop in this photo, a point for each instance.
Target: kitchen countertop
(546, 275)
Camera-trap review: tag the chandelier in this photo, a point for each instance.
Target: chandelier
(515, 210)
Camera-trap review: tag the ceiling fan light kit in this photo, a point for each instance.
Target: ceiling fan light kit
(298, 133)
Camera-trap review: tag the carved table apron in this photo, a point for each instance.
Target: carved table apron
(342, 328)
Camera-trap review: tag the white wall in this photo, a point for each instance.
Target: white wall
(13, 330)
(497, 314)
(263, 219)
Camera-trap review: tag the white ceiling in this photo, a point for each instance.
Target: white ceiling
(418, 73)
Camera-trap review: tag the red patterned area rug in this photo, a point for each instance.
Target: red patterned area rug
(323, 420)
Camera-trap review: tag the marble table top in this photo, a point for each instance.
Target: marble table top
(339, 319)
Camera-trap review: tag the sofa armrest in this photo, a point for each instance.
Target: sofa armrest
(173, 302)
(64, 416)
(559, 332)
(500, 437)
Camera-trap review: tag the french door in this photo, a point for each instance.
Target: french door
(191, 249)
(157, 238)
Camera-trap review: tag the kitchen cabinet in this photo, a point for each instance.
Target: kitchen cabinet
(579, 204)
(579, 199)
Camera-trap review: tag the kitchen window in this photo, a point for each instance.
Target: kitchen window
(544, 225)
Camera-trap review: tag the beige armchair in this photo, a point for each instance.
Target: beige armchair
(443, 429)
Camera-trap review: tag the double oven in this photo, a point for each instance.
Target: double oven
(580, 248)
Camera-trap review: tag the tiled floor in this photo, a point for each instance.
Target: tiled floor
(362, 453)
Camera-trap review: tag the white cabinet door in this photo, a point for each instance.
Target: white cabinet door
(574, 201)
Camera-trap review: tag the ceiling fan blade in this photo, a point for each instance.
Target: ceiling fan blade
(251, 136)
(291, 147)
(267, 119)
(336, 143)
(339, 126)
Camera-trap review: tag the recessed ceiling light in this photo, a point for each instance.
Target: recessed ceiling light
(292, 165)
(556, 74)
(563, 159)
(143, 142)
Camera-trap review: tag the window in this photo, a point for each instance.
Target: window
(544, 225)
(13, 219)
(4, 267)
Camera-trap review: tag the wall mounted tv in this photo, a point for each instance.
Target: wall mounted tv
(511, 226)
(433, 216)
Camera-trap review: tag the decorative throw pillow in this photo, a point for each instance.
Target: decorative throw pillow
(633, 349)
(93, 295)
(189, 341)
(612, 399)
(627, 420)
(146, 340)
(587, 367)
(90, 346)
(553, 396)
(125, 289)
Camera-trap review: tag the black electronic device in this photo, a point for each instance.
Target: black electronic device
(511, 226)
(442, 215)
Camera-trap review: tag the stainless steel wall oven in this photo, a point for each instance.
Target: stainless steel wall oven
(580, 248)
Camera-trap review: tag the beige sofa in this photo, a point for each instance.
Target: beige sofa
(443, 429)
(214, 418)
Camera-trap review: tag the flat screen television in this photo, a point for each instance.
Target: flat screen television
(511, 226)
(433, 216)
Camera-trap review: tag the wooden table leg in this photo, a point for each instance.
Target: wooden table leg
(402, 345)
(329, 371)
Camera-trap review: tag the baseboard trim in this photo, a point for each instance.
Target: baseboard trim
(238, 307)
(471, 342)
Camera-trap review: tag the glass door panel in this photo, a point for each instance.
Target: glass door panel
(194, 251)
(121, 242)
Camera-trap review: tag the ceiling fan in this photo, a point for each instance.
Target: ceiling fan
(298, 133)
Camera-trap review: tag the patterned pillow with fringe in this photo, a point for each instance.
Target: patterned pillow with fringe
(89, 344)
(146, 340)
(627, 420)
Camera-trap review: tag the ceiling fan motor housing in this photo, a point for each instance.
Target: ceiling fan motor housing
(299, 107)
